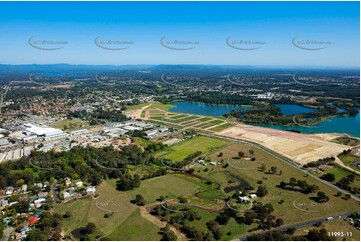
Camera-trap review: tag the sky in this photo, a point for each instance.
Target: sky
(323, 34)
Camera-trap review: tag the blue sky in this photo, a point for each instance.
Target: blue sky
(274, 24)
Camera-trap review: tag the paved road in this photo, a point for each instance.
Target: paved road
(283, 159)
(305, 224)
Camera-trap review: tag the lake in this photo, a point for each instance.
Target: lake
(204, 109)
(348, 125)
(291, 109)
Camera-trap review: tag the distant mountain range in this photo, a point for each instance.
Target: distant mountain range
(179, 67)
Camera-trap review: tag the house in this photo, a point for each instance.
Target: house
(67, 181)
(24, 187)
(253, 196)
(9, 190)
(213, 163)
(32, 220)
(40, 185)
(67, 195)
(90, 190)
(4, 203)
(244, 199)
(43, 194)
(79, 184)
(201, 162)
(24, 229)
(39, 202)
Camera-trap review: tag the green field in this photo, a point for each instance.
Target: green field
(135, 227)
(286, 211)
(70, 125)
(171, 186)
(180, 151)
(222, 127)
(135, 107)
(348, 159)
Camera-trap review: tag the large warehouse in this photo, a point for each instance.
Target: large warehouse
(43, 131)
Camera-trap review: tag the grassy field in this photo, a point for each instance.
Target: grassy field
(162, 106)
(222, 127)
(180, 151)
(349, 159)
(126, 223)
(135, 107)
(70, 124)
(286, 211)
(93, 210)
(135, 227)
(171, 186)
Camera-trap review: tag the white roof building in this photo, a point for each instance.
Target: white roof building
(43, 131)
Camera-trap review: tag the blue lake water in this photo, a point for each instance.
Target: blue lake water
(204, 109)
(348, 125)
(291, 109)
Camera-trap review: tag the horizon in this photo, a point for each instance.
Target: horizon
(191, 33)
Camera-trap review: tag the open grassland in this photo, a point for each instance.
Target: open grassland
(170, 186)
(180, 151)
(135, 227)
(222, 127)
(70, 124)
(349, 160)
(93, 210)
(286, 211)
(135, 107)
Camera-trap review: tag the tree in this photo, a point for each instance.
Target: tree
(90, 228)
(139, 200)
(261, 191)
(274, 169)
(67, 214)
(168, 234)
(321, 197)
(220, 154)
(279, 222)
(251, 152)
(241, 154)
(328, 177)
(293, 182)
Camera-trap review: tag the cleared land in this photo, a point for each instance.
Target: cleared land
(301, 148)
